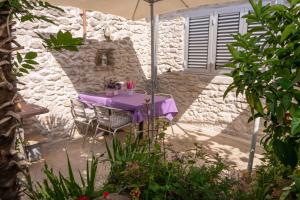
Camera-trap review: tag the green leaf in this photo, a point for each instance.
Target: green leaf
(285, 83)
(296, 113)
(27, 66)
(31, 55)
(287, 31)
(286, 101)
(23, 70)
(285, 152)
(258, 106)
(279, 8)
(250, 99)
(234, 52)
(19, 57)
(279, 113)
(295, 126)
(62, 40)
(32, 62)
(229, 88)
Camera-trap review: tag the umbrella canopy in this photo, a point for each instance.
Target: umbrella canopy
(136, 9)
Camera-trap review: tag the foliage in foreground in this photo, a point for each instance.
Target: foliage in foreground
(273, 180)
(59, 187)
(144, 174)
(266, 69)
(147, 175)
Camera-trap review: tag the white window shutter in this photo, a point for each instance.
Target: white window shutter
(198, 41)
(252, 26)
(228, 25)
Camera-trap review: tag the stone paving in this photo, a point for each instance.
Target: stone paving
(233, 149)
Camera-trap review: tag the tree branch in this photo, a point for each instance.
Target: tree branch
(14, 115)
(11, 50)
(8, 20)
(11, 129)
(8, 39)
(16, 43)
(4, 120)
(5, 25)
(9, 103)
(4, 62)
(5, 82)
(5, 12)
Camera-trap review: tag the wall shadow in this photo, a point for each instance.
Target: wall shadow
(80, 74)
(82, 70)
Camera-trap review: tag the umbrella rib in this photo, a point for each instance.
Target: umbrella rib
(185, 4)
(135, 9)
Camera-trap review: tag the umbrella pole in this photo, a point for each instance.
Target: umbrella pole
(253, 144)
(153, 70)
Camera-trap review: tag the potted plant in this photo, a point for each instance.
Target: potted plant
(110, 88)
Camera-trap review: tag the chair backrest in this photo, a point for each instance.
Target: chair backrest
(77, 109)
(109, 116)
(164, 95)
(104, 114)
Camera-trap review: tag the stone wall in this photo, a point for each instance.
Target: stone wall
(61, 75)
(199, 96)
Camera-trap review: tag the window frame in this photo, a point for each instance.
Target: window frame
(213, 12)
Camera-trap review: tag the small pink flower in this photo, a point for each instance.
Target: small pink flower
(105, 194)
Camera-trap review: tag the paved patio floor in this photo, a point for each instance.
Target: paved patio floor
(233, 149)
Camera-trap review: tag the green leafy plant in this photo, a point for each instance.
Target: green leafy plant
(62, 40)
(269, 179)
(292, 191)
(147, 174)
(24, 64)
(59, 187)
(266, 69)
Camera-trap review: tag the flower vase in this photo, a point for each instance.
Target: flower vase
(116, 92)
(130, 92)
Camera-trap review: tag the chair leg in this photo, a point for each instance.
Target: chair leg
(72, 130)
(94, 136)
(172, 128)
(85, 134)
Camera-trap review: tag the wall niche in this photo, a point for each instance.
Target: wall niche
(105, 59)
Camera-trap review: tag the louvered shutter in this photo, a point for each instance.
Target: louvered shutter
(228, 25)
(256, 33)
(198, 40)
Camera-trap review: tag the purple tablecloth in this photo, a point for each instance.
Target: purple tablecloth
(135, 103)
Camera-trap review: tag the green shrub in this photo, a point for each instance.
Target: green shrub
(59, 187)
(266, 70)
(292, 191)
(147, 175)
(270, 178)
